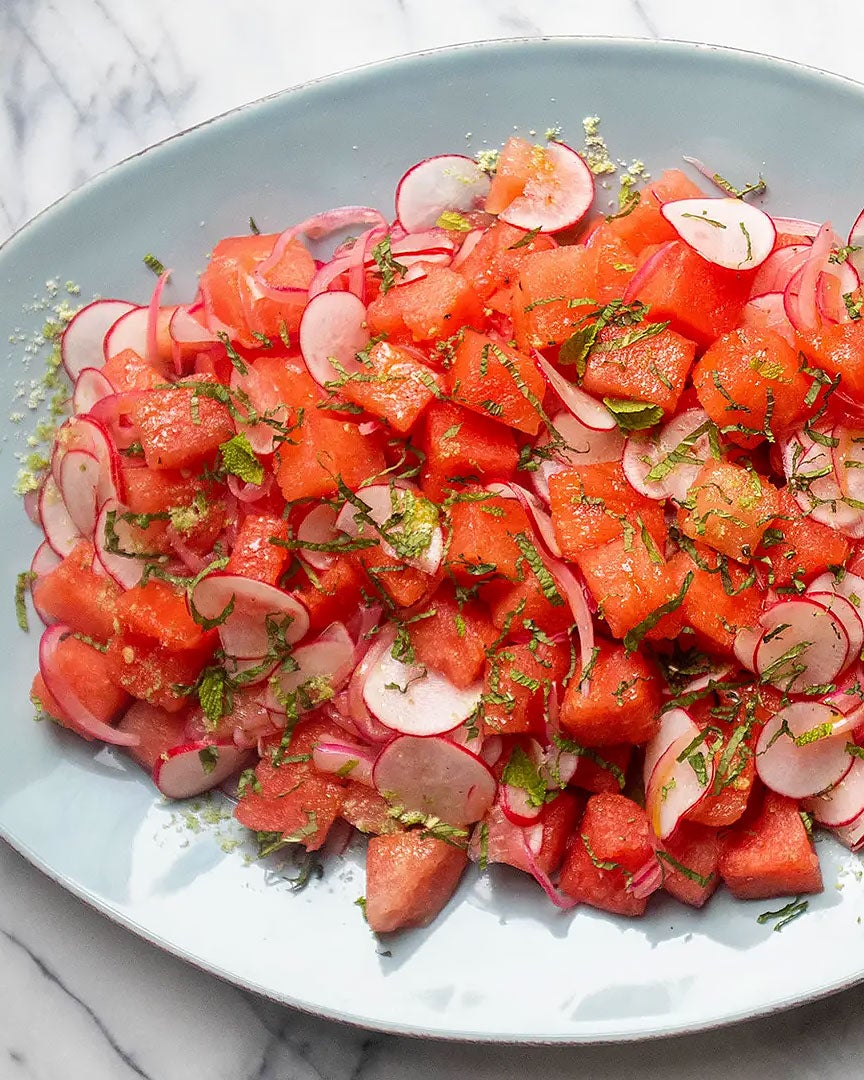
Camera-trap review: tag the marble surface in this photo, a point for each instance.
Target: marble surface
(84, 83)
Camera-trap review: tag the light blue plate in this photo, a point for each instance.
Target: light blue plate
(500, 964)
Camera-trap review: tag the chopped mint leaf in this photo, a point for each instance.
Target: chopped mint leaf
(154, 264)
(209, 758)
(239, 459)
(634, 415)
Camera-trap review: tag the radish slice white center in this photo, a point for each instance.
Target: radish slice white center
(435, 777)
(727, 232)
(798, 754)
(437, 184)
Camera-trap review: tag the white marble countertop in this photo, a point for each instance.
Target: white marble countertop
(84, 83)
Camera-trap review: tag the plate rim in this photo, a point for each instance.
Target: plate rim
(81, 893)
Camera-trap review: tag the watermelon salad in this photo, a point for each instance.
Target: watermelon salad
(509, 532)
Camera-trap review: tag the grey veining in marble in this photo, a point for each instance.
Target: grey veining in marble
(84, 83)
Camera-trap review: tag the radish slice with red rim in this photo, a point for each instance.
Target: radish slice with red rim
(848, 615)
(674, 725)
(797, 227)
(74, 710)
(121, 546)
(844, 802)
(647, 879)
(345, 760)
(79, 483)
(767, 312)
(798, 753)
(414, 700)
(745, 645)
(128, 332)
(855, 239)
(436, 777)
(848, 457)
(677, 785)
(196, 767)
(847, 584)
(666, 466)
(82, 344)
(412, 518)
(60, 530)
(322, 667)
(557, 197)
(852, 835)
(804, 645)
(90, 386)
(583, 446)
(809, 467)
(726, 232)
(437, 184)
(318, 527)
(517, 806)
(243, 631)
(472, 239)
(333, 327)
(779, 268)
(587, 410)
(44, 561)
(87, 433)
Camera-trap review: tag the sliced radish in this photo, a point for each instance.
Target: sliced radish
(844, 802)
(848, 584)
(128, 332)
(517, 806)
(726, 232)
(472, 239)
(768, 312)
(438, 184)
(804, 645)
(779, 268)
(848, 457)
(385, 503)
(848, 615)
(674, 725)
(856, 240)
(666, 466)
(797, 227)
(557, 196)
(74, 709)
(745, 645)
(87, 433)
(44, 561)
(852, 835)
(673, 785)
(90, 386)
(123, 561)
(327, 661)
(196, 767)
(318, 527)
(188, 337)
(647, 879)
(799, 770)
(809, 467)
(333, 328)
(157, 316)
(344, 759)
(83, 339)
(584, 446)
(586, 409)
(435, 777)
(573, 592)
(244, 631)
(415, 700)
(79, 483)
(60, 530)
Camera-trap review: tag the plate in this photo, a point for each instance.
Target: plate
(500, 964)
